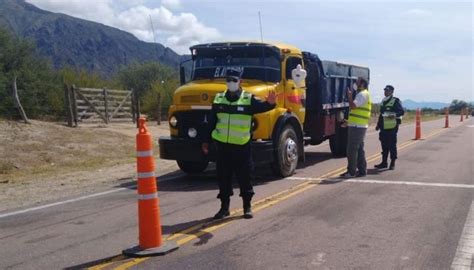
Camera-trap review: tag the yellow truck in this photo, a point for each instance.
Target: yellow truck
(308, 111)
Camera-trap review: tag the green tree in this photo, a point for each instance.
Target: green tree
(457, 105)
(154, 84)
(84, 78)
(35, 80)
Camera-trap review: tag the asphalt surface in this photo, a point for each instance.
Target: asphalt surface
(416, 217)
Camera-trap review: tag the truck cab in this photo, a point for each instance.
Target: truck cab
(304, 113)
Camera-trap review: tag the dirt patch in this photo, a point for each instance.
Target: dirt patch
(48, 161)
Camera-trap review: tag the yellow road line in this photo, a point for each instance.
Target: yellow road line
(258, 206)
(100, 266)
(108, 262)
(131, 263)
(298, 188)
(227, 221)
(232, 213)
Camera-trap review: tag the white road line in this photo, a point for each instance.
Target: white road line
(80, 198)
(60, 203)
(302, 178)
(386, 182)
(465, 251)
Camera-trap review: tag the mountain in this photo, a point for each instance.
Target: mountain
(412, 105)
(79, 43)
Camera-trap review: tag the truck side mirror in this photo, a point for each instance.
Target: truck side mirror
(298, 75)
(182, 77)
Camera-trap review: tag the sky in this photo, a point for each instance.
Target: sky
(424, 48)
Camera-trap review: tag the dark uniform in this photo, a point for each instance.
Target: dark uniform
(388, 126)
(234, 154)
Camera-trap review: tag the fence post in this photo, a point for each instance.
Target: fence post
(158, 120)
(106, 105)
(133, 105)
(67, 98)
(74, 104)
(138, 110)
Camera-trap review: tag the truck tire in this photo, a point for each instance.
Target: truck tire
(191, 167)
(286, 158)
(338, 142)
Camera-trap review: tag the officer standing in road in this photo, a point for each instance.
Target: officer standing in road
(231, 125)
(358, 122)
(391, 112)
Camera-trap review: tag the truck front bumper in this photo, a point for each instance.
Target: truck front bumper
(190, 150)
(183, 149)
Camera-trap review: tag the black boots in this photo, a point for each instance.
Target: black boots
(224, 211)
(247, 207)
(382, 165)
(392, 165)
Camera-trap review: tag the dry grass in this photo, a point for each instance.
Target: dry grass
(44, 149)
(409, 117)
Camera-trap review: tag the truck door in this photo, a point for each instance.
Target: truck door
(295, 97)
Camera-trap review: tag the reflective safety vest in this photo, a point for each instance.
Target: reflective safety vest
(234, 119)
(389, 123)
(361, 115)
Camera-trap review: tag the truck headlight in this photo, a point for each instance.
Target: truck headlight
(340, 116)
(173, 121)
(254, 124)
(192, 133)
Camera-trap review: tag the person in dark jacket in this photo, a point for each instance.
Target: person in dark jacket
(231, 125)
(391, 112)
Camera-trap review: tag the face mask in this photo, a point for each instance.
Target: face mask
(233, 86)
(354, 86)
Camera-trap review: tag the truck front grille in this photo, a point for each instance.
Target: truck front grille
(190, 99)
(198, 119)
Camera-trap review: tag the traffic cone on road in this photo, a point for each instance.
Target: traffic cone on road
(462, 115)
(149, 226)
(418, 125)
(446, 121)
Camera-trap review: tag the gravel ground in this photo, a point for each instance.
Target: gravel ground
(45, 162)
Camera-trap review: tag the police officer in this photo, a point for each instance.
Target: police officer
(391, 112)
(231, 125)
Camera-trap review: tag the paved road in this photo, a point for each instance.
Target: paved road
(416, 217)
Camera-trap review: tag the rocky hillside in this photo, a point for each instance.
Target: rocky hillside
(70, 41)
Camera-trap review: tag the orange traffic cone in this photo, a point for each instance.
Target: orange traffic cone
(418, 125)
(446, 121)
(149, 226)
(462, 115)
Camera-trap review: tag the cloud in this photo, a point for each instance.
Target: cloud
(416, 12)
(172, 4)
(177, 31)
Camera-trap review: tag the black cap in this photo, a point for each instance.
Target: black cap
(389, 88)
(233, 73)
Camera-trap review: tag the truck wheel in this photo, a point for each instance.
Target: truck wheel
(191, 167)
(287, 152)
(338, 142)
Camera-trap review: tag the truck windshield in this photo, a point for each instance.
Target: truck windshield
(256, 62)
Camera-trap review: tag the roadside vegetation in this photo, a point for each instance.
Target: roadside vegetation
(41, 88)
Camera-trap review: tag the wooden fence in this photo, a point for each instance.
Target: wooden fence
(103, 105)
